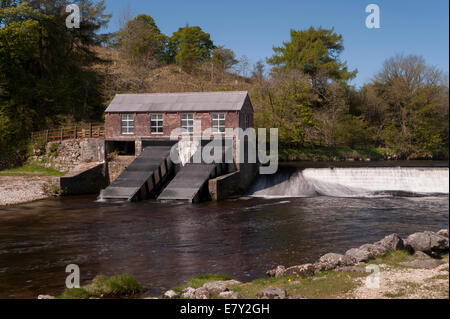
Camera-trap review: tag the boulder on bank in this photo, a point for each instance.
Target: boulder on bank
(188, 293)
(305, 270)
(276, 272)
(443, 232)
(374, 250)
(271, 293)
(231, 295)
(170, 294)
(330, 261)
(192, 293)
(427, 242)
(356, 255)
(216, 287)
(46, 297)
(391, 242)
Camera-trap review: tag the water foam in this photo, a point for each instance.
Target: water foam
(353, 182)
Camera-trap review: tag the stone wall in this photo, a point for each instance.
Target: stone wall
(116, 166)
(66, 155)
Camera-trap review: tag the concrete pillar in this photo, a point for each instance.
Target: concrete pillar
(138, 147)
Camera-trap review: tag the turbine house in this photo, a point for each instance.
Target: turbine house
(148, 126)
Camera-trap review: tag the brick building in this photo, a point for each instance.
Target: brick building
(142, 125)
(140, 117)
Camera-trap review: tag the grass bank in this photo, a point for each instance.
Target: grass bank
(106, 287)
(399, 278)
(31, 170)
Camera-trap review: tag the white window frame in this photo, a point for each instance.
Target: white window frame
(127, 118)
(216, 126)
(158, 118)
(187, 122)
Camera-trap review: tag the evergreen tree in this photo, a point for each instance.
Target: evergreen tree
(190, 46)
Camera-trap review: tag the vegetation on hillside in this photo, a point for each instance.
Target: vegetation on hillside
(50, 75)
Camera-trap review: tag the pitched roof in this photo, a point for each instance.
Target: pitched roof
(178, 102)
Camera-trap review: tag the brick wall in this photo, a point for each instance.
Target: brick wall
(171, 121)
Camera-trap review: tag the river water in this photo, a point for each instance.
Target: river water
(291, 218)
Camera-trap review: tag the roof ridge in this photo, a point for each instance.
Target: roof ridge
(168, 93)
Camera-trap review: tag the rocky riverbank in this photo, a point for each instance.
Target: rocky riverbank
(414, 267)
(23, 189)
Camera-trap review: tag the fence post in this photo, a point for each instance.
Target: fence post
(46, 136)
(90, 129)
(75, 132)
(62, 134)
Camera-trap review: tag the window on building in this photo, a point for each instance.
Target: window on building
(218, 122)
(156, 124)
(187, 122)
(127, 124)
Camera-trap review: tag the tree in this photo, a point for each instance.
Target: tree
(142, 42)
(45, 67)
(222, 59)
(190, 46)
(285, 103)
(316, 53)
(414, 99)
(258, 71)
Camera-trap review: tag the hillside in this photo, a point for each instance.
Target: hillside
(122, 77)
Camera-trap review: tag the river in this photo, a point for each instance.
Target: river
(291, 218)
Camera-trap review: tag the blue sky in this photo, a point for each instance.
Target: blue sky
(252, 28)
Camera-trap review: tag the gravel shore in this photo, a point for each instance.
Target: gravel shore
(22, 189)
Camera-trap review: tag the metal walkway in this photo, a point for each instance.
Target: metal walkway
(190, 183)
(144, 177)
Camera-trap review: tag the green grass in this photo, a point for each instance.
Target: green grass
(198, 281)
(31, 170)
(329, 284)
(102, 286)
(392, 259)
(399, 293)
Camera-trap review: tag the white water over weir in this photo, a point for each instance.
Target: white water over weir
(353, 182)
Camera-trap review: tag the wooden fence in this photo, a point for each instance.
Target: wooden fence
(71, 132)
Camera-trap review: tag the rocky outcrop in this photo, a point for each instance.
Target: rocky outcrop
(271, 293)
(424, 245)
(428, 242)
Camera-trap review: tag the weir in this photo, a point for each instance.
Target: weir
(353, 182)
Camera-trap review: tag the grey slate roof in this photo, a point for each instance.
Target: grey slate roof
(178, 102)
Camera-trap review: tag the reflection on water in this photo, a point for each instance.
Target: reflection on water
(163, 244)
